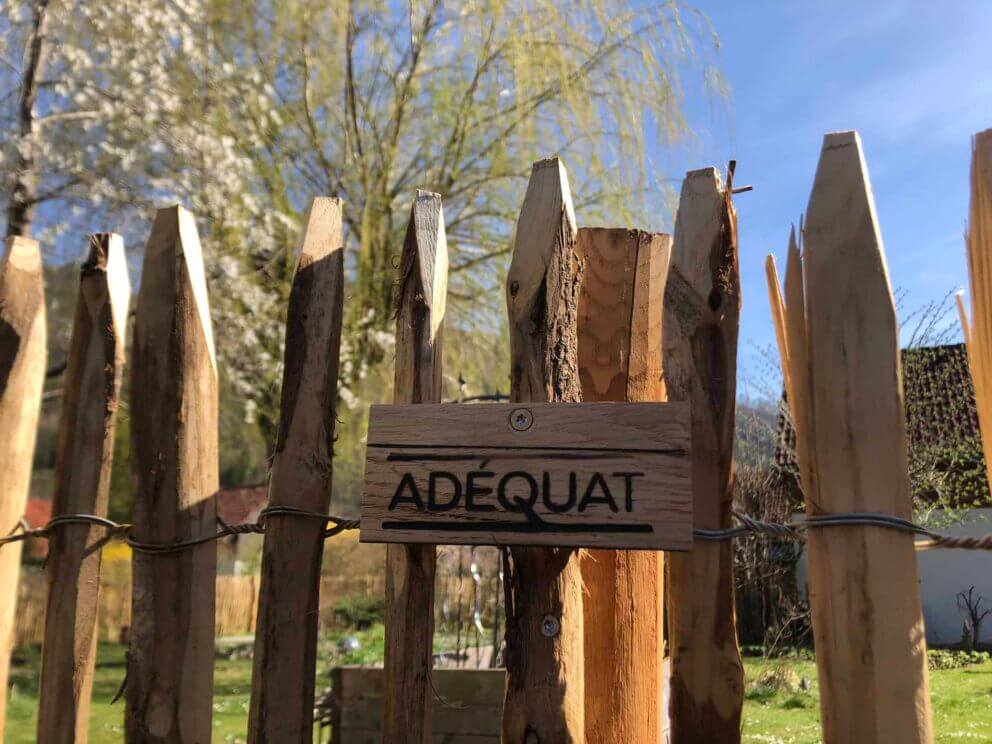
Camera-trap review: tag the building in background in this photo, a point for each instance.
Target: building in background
(950, 485)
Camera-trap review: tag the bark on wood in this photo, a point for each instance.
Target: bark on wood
(82, 484)
(702, 311)
(174, 459)
(544, 692)
(422, 290)
(864, 592)
(286, 631)
(620, 321)
(22, 374)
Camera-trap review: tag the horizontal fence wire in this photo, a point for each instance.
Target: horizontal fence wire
(791, 531)
(794, 530)
(124, 531)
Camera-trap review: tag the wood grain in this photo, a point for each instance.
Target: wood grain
(286, 632)
(620, 319)
(422, 290)
(702, 313)
(22, 374)
(978, 333)
(592, 474)
(864, 592)
(544, 691)
(92, 386)
(174, 461)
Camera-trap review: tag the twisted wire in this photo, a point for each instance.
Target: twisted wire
(23, 531)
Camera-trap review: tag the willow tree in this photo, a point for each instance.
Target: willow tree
(244, 110)
(376, 99)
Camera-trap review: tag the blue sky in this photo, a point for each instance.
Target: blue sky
(915, 80)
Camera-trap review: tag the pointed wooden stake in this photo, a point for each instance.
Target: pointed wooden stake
(978, 334)
(22, 374)
(798, 357)
(544, 691)
(864, 593)
(777, 305)
(174, 459)
(702, 312)
(620, 319)
(82, 485)
(286, 632)
(422, 289)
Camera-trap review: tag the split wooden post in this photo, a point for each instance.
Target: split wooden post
(544, 644)
(286, 631)
(620, 319)
(422, 290)
(863, 584)
(174, 459)
(702, 313)
(22, 375)
(978, 333)
(82, 485)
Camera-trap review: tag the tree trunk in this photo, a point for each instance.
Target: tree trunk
(24, 189)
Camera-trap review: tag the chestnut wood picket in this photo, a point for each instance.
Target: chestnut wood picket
(598, 314)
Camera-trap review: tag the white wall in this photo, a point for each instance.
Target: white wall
(944, 573)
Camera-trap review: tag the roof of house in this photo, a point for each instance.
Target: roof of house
(234, 506)
(940, 415)
(37, 513)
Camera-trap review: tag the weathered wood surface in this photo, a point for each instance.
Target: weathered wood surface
(579, 474)
(92, 386)
(174, 460)
(22, 374)
(863, 584)
(702, 311)
(545, 687)
(422, 290)
(286, 636)
(473, 703)
(620, 320)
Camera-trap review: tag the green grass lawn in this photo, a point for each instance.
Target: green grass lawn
(777, 708)
(780, 703)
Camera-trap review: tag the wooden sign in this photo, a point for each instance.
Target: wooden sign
(606, 475)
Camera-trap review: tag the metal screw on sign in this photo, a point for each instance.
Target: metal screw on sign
(550, 626)
(521, 419)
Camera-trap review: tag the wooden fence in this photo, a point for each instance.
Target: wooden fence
(591, 314)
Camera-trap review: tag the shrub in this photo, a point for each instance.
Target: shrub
(358, 611)
(799, 701)
(954, 659)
